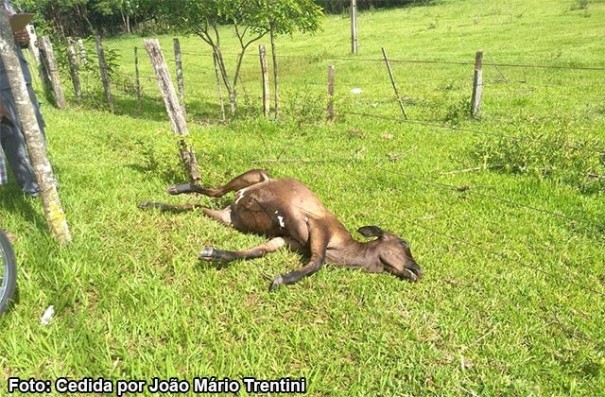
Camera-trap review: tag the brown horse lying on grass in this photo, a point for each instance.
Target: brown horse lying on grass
(291, 215)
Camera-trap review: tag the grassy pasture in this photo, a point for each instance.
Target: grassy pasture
(512, 302)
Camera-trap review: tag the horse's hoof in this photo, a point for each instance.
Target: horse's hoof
(277, 281)
(173, 190)
(145, 204)
(207, 254)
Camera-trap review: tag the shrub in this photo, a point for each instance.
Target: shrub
(555, 150)
(88, 68)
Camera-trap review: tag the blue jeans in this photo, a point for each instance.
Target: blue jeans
(13, 143)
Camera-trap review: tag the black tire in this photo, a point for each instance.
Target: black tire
(8, 272)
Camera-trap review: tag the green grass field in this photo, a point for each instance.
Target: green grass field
(505, 214)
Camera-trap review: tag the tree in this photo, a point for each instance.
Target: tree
(128, 12)
(287, 17)
(58, 15)
(251, 20)
(87, 17)
(112, 7)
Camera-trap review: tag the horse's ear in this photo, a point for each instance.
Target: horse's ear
(370, 231)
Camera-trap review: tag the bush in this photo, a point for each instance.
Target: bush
(305, 106)
(556, 150)
(88, 69)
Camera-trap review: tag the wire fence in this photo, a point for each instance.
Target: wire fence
(426, 93)
(201, 88)
(433, 100)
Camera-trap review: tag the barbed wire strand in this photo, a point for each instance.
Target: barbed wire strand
(412, 61)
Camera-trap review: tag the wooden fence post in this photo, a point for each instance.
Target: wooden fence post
(137, 78)
(276, 105)
(53, 211)
(477, 84)
(386, 60)
(218, 85)
(52, 71)
(354, 26)
(179, 73)
(173, 107)
(104, 72)
(82, 54)
(33, 43)
(265, 79)
(44, 74)
(330, 109)
(73, 69)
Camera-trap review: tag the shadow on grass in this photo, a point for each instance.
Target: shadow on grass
(14, 302)
(169, 177)
(152, 108)
(210, 266)
(15, 201)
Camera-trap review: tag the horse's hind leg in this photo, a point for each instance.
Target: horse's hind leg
(242, 181)
(213, 254)
(169, 207)
(223, 216)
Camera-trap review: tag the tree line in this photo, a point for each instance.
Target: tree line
(83, 18)
(250, 21)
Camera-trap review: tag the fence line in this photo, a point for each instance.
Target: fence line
(412, 61)
(527, 84)
(494, 83)
(464, 63)
(372, 102)
(249, 98)
(429, 124)
(450, 127)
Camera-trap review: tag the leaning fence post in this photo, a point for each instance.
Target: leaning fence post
(477, 84)
(33, 42)
(104, 72)
(386, 60)
(52, 71)
(330, 109)
(137, 78)
(179, 73)
(73, 69)
(44, 73)
(173, 108)
(82, 53)
(55, 216)
(265, 79)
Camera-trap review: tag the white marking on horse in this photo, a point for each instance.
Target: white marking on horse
(240, 195)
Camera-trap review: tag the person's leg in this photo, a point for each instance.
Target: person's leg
(36, 105)
(15, 151)
(3, 171)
